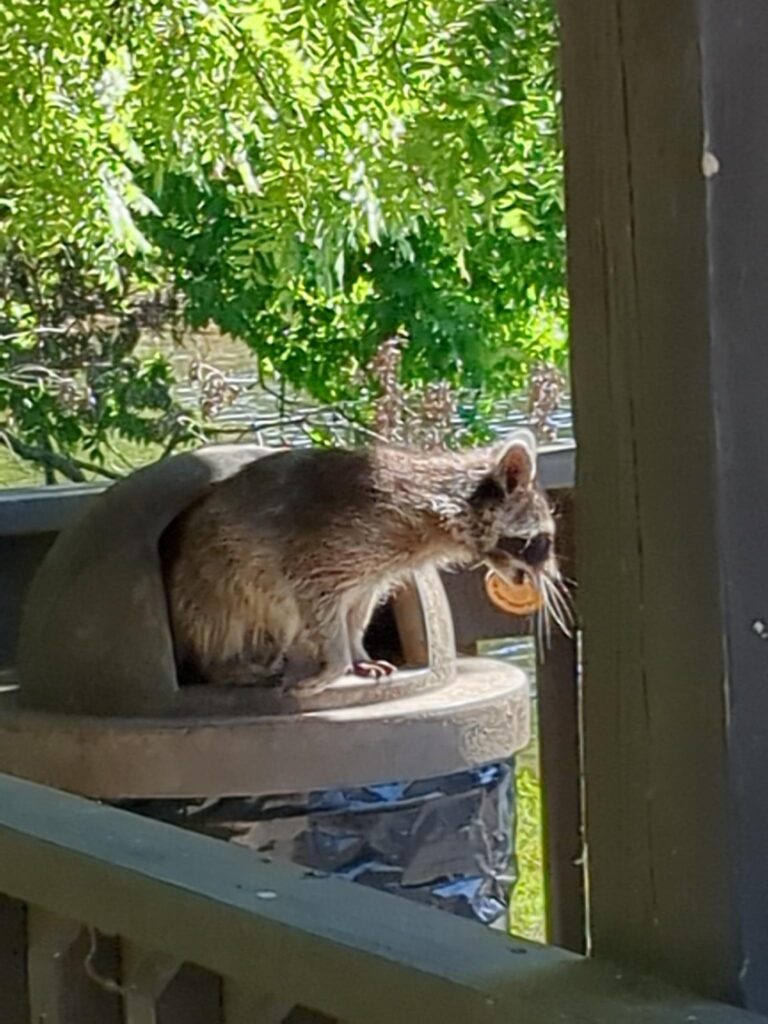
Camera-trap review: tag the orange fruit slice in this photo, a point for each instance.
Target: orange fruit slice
(515, 598)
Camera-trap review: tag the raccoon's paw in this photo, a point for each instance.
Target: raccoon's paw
(373, 668)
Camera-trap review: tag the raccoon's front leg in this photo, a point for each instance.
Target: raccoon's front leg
(358, 618)
(327, 636)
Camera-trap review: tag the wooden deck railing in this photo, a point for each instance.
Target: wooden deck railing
(190, 930)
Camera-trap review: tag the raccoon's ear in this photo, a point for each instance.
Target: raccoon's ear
(516, 460)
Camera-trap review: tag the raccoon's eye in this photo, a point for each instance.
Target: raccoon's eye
(512, 545)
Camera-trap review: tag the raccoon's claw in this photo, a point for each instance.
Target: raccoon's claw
(372, 669)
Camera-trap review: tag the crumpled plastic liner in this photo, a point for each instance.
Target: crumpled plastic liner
(441, 841)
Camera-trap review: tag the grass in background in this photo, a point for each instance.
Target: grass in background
(527, 915)
(527, 911)
(14, 472)
(126, 456)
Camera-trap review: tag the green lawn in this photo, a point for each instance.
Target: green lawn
(527, 913)
(15, 473)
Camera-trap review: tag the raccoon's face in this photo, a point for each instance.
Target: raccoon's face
(514, 527)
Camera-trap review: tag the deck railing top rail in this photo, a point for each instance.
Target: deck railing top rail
(345, 950)
(25, 510)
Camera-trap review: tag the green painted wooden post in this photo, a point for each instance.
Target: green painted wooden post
(557, 675)
(667, 191)
(13, 966)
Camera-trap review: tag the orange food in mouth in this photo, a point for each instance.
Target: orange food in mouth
(520, 598)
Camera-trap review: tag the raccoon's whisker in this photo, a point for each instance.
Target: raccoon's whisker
(538, 631)
(565, 601)
(541, 616)
(553, 601)
(538, 618)
(559, 617)
(564, 627)
(547, 609)
(560, 599)
(544, 616)
(559, 594)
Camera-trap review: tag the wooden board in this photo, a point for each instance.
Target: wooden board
(559, 720)
(13, 967)
(735, 92)
(667, 188)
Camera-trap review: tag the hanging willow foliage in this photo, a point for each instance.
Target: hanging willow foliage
(312, 175)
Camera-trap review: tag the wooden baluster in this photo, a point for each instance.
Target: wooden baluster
(557, 674)
(49, 938)
(60, 990)
(13, 973)
(145, 976)
(244, 1006)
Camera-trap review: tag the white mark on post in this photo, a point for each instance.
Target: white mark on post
(760, 629)
(710, 165)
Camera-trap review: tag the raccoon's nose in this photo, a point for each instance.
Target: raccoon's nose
(537, 550)
(533, 551)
